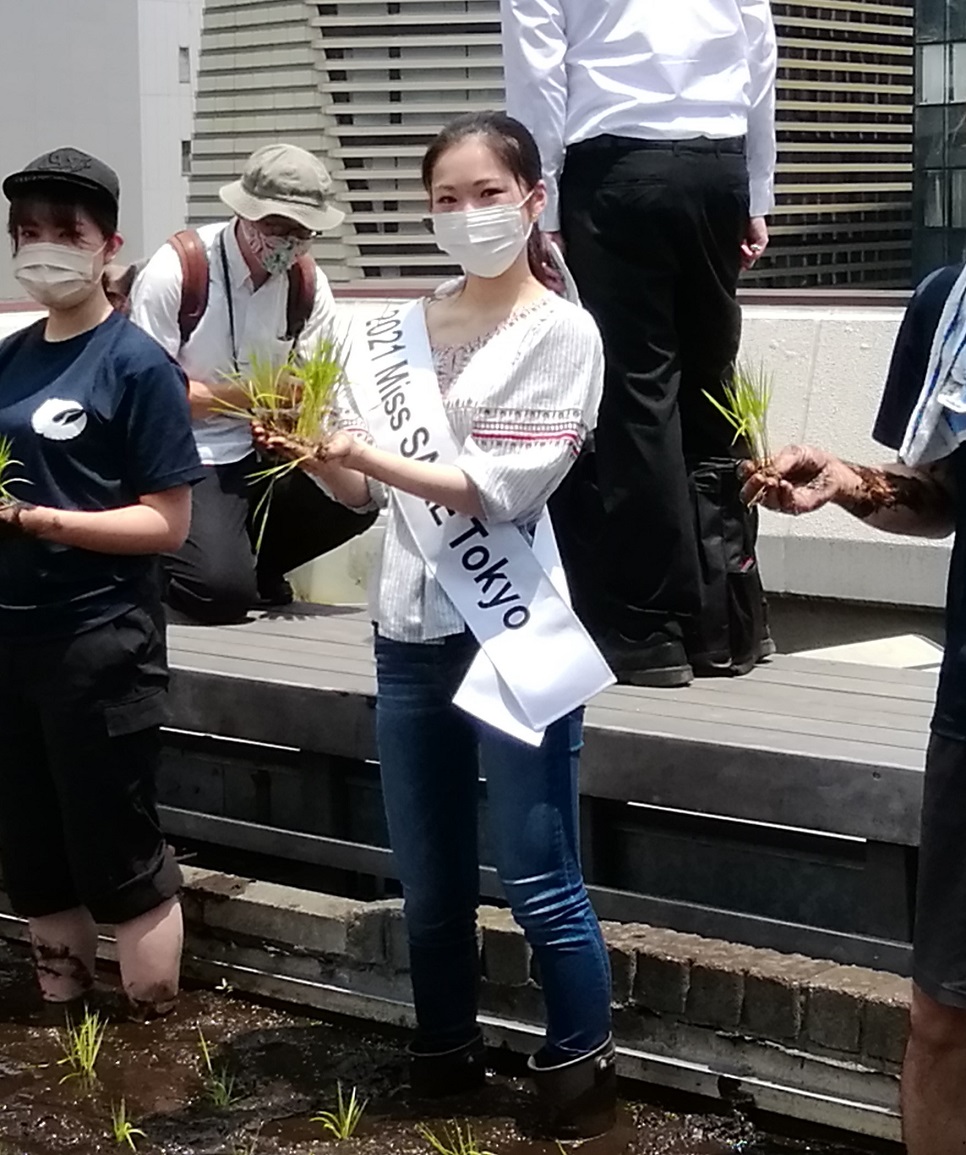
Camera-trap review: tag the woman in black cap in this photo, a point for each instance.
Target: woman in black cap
(97, 417)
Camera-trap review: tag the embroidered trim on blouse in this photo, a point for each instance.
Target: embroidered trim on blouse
(449, 361)
(516, 428)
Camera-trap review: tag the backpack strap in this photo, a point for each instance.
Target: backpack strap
(301, 296)
(195, 279)
(118, 281)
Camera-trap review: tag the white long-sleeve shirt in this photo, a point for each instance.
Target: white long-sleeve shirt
(577, 69)
(260, 320)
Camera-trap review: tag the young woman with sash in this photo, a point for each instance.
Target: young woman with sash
(464, 418)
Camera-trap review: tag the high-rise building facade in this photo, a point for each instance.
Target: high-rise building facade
(115, 78)
(940, 200)
(365, 83)
(845, 163)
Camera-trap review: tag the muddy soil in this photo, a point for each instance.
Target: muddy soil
(284, 1070)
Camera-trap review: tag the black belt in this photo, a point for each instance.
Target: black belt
(732, 145)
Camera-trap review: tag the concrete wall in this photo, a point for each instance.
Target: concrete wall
(829, 366)
(102, 75)
(782, 1033)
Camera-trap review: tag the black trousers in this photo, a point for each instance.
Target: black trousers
(80, 727)
(653, 235)
(215, 577)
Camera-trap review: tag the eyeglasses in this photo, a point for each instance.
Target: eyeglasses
(280, 227)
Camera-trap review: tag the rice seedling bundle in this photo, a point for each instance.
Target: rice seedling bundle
(7, 465)
(745, 407)
(294, 400)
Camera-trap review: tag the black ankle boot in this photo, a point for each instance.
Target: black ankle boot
(578, 1098)
(436, 1074)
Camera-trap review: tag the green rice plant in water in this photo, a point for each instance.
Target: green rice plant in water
(343, 1121)
(124, 1130)
(219, 1082)
(81, 1046)
(454, 1141)
(248, 1146)
(745, 408)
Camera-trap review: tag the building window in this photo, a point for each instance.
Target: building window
(184, 65)
(931, 16)
(186, 158)
(932, 74)
(930, 135)
(957, 197)
(934, 195)
(956, 15)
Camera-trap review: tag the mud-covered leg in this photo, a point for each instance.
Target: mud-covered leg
(149, 951)
(64, 948)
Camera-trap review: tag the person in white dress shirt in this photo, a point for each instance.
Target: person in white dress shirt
(656, 127)
(281, 203)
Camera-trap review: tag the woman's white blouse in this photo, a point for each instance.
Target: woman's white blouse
(518, 438)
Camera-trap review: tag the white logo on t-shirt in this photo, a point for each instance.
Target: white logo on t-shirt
(59, 420)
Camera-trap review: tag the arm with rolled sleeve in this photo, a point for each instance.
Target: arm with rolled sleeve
(762, 65)
(155, 308)
(522, 442)
(534, 61)
(522, 446)
(333, 480)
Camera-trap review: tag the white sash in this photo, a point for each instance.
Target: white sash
(536, 661)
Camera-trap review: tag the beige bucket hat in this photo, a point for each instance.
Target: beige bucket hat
(284, 180)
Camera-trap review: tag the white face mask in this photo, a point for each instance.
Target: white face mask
(58, 276)
(485, 242)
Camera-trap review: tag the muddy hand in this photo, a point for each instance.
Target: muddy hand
(338, 448)
(276, 443)
(799, 479)
(10, 523)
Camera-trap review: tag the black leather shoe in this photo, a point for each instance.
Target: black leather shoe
(274, 592)
(458, 1071)
(766, 647)
(659, 659)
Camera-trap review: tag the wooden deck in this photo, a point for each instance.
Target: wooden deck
(800, 744)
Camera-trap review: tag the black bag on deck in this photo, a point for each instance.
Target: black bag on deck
(730, 634)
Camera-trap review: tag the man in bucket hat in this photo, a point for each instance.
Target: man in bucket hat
(214, 298)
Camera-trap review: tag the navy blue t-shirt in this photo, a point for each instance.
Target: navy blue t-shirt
(903, 386)
(96, 422)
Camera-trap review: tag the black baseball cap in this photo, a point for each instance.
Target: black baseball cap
(66, 168)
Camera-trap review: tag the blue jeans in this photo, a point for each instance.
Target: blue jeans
(431, 754)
